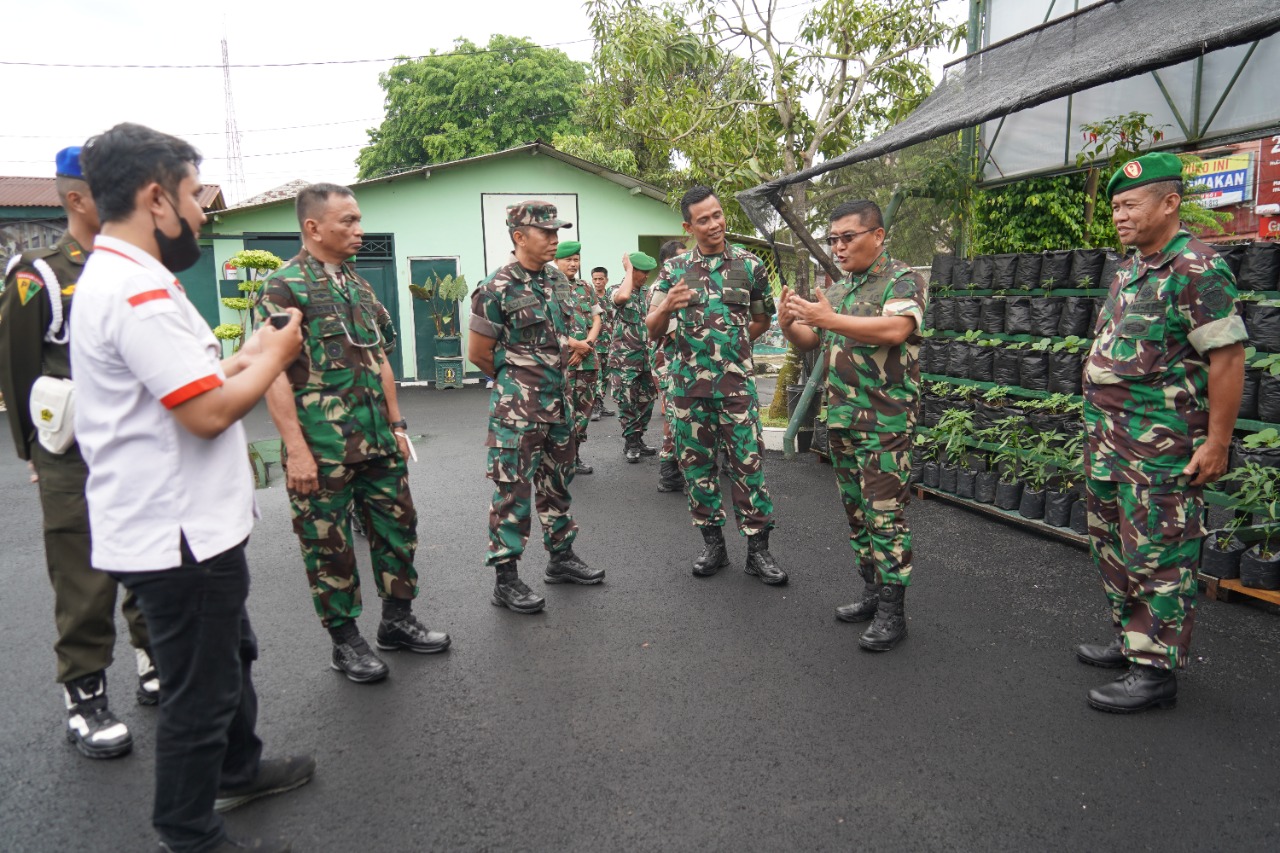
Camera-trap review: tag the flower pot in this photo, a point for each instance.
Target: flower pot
(1086, 267)
(1110, 266)
(1219, 562)
(947, 477)
(1017, 315)
(982, 363)
(1269, 398)
(930, 474)
(931, 408)
(937, 355)
(448, 346)
(1263, 322)
(1075, 316)
(1008, 495)
(1027, 276)
(1057, 508)
(944, 313)
(1260, 267)
(985, 415)
(1004, 270)
(992, 314)
(943, 266)
(1045, 314)
(984, 487)
(961, 273)
(966, 482)
(1055, 268)
(1233, 255)
(1258, 571)
(1047, 423)
(1080, 518)
(1065, 372)
(820, 436)
(983, 270)
(968, 313)
(1033, 370)
(958, 359)
(1267, 457)
(1249, 397)
(1031, 504)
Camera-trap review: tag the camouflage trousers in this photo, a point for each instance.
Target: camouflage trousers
(1145, 541)
(701, 426)
(604, 374)
(379, 490)
(582, 399)
(635, 391)
(872, 471)
(527, 457)
(662, 376)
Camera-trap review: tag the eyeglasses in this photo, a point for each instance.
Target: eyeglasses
(847, 237)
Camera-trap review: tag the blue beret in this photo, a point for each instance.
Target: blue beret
(67, 163)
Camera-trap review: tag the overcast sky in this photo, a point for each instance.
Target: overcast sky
(307, 121)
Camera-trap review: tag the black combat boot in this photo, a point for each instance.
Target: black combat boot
(889, 625)
(353, 657)
(669, 477)
(645, 450)
(865, 607)
(1140, 688)
(580, 467)
(91, 726)
(761, 563)
(1110, 656)
(512, 593)
(400, 629)
(714, 555)
(631, 449)
(595, 411)
(565, 567)
(148, 679)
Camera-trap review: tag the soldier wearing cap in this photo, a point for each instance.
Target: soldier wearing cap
(35, 326)
(1162, 387)
(720, 296)
(344, 439)
(630, 356)
(583, 372)
(521, 334)
(868, 327)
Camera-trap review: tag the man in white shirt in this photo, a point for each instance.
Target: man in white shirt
(170, 493)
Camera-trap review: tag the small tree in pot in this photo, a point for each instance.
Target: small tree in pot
(1258, 491)
(1011, 437)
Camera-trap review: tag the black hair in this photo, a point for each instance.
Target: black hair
(124, 159)
(868, 212)
(692, 197)
(67, 184)
(600, 269)
(312, 199)
(669, 250)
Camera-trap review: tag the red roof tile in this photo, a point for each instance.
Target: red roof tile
(42, 192)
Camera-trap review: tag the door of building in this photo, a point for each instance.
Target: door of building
(425, 271)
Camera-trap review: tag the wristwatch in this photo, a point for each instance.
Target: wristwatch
(401, 424)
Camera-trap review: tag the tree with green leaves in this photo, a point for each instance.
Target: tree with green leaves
(473, 100)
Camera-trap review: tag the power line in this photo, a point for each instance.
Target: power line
(203, 132)
(293, 64)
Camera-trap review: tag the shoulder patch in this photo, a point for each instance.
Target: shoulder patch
(28, 284)
(1215, 298)
(904, 287)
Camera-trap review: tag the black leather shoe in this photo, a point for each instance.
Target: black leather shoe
(91, 727)
(889, 626)
(566, 567)
(275, 776)
(356, 660)
(865, 607)
(1140, 688)
(608, 413)
(1110, 656)
(760, 563)
(646, 450)
(514, 594)
(595, 412)
(406, 632)
(631, 450)
(580, 467)
(714, 555)
(669, 477)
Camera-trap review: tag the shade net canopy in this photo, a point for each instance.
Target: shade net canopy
(1102, 43)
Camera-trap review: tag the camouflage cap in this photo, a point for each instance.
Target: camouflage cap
(540, 214)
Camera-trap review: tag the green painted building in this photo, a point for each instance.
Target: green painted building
(449, 218)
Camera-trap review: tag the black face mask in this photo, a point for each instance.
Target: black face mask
(181, 252)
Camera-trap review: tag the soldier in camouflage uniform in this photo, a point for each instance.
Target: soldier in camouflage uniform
(720, 296)
(35, 321)
(1162, 387)
(669, 477)
(600, 286)
(521, 324)
(630, 356)
(586, 321)
(344, 439)
(868, 326)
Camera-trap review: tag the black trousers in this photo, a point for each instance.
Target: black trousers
(204, 648)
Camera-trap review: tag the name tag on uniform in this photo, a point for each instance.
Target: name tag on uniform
(523, 302)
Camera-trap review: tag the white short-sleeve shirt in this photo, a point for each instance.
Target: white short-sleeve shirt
(138, 349)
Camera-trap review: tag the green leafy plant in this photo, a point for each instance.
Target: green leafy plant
(1056, 404)
(927, 447)
(940, 389)
(1268, 439)
(1010, 438)
(990, 342)
(1258, 492)
(1038, 461)
(972, 336)
(1042, 345)
(996, 396)
(1269, 363)
(259, 263)
(443, 296)
(1072, 344)
(954, 430)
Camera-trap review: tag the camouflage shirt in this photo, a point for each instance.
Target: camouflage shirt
(606, 321)
(711, 354)
(337, 378)
(586, 306)
(629, 347)
(530, 315)
(875, 388)
(1147, 375)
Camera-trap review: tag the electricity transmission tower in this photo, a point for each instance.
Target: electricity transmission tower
(235, 161)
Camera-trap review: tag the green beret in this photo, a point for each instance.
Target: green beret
(1147, 169)
(642, 262)
(568, 248)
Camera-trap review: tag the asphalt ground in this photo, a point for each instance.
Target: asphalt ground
(660, 711)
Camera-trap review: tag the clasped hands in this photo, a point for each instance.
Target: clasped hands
(793, 308)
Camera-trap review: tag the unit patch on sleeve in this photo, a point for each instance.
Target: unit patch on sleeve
(28, 284)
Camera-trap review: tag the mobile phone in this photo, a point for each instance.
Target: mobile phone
(279, 321)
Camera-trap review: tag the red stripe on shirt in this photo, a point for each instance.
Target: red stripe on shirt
(190, 390)
(147, 296)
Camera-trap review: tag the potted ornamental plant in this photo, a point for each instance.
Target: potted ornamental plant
(926, 450)
(1065, 457)
(441, 296)
(1011, 437)
(1258, 491)
(258, 264)
(953, 433)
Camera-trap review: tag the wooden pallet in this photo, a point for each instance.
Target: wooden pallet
(1064, 534)
(1221, 589)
